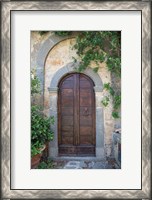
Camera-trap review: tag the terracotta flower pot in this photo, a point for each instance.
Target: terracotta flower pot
(35, 160)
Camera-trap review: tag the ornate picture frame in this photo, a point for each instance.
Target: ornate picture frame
(9, 6)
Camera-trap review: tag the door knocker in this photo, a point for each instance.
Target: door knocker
(85, 112)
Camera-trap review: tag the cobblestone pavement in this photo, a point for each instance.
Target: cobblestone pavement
(85, 164)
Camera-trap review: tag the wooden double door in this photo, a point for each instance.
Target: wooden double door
(76, 115)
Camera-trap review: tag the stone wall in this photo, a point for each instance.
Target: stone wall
(57, 57)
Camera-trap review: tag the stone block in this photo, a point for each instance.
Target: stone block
(99, 128)
(100, 153)
(53, 101)
(116, 140)
(53, 152)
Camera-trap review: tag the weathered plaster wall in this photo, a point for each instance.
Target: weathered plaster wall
(59, 56)
(36, 42)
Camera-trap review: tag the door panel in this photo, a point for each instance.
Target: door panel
(85, 102)
(85, 139)
(76, 114)
(67, 120)
(84, 84)
(85, 130)
(67, 92)
(67, 140)
(67, 111)
(86, 120)
(67, 101)
(67, 84)
(67, 129)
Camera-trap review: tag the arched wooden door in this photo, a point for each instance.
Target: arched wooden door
(76, 115)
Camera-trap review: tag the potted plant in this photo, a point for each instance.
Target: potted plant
(41, 133)
(36, 153)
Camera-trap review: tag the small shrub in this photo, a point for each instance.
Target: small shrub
(48, 164)
(35, 148)
(35, 83)
(40, 126)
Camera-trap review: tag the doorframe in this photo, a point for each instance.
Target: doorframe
(93, 108)
(98, 88)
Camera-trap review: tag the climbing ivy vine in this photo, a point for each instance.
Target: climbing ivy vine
(42, 32)
(99, 47)
(116, 96)
(63, 33)
(35, 83)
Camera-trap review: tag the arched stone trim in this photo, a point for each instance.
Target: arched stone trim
(44, 50)
(71, 67)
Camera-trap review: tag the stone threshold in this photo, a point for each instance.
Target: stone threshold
(85, 158)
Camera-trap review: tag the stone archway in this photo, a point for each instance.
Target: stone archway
(43, 52)
(53, 90)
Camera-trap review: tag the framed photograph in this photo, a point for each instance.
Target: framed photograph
(75, 111)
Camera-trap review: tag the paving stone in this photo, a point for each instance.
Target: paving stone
(116, 166)
(83, 164)
(109, 167)
(73, 165)
(90, 165)
(99, 165)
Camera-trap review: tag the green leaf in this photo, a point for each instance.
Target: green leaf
(96, 69)
(105, 101)
(115, 114)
